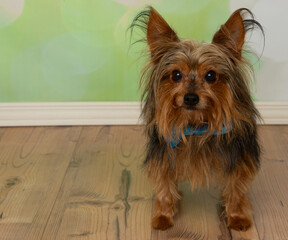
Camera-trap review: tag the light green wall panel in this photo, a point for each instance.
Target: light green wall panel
(78, 50)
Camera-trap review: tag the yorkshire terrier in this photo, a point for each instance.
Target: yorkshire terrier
(199, 115)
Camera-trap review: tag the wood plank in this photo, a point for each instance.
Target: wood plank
(34, 162)
(110, 197)
(62, 200)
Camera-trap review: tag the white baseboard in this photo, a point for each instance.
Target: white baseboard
(273, 112)
(69, 113)
(102, 113)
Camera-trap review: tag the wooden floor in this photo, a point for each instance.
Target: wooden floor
(87, 183)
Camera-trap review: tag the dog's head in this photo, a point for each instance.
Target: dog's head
(192, 83)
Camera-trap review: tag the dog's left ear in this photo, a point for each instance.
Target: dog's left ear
(232, 34)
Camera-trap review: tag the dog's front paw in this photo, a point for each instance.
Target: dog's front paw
(162, 222)
(239, 223)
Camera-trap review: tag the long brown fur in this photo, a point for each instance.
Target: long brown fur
(231, 158)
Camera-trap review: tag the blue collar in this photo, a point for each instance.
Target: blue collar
(196, 131)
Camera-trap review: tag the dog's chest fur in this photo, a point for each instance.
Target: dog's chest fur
(199, 164)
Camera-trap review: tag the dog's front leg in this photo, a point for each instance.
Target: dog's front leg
(166, 196)
(163, 177)
(235, 195)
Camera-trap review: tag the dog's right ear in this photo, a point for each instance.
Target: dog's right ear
(158, 31)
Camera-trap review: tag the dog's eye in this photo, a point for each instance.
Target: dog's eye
(176, 76)
(211, 76)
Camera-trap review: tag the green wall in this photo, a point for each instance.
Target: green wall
(78, 50)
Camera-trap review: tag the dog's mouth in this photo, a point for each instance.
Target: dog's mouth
(190, 108)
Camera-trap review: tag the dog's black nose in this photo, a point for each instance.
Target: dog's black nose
(191, 99)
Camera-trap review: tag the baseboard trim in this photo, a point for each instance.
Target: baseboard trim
(69, 113)
(274, 113)
(102, 113)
